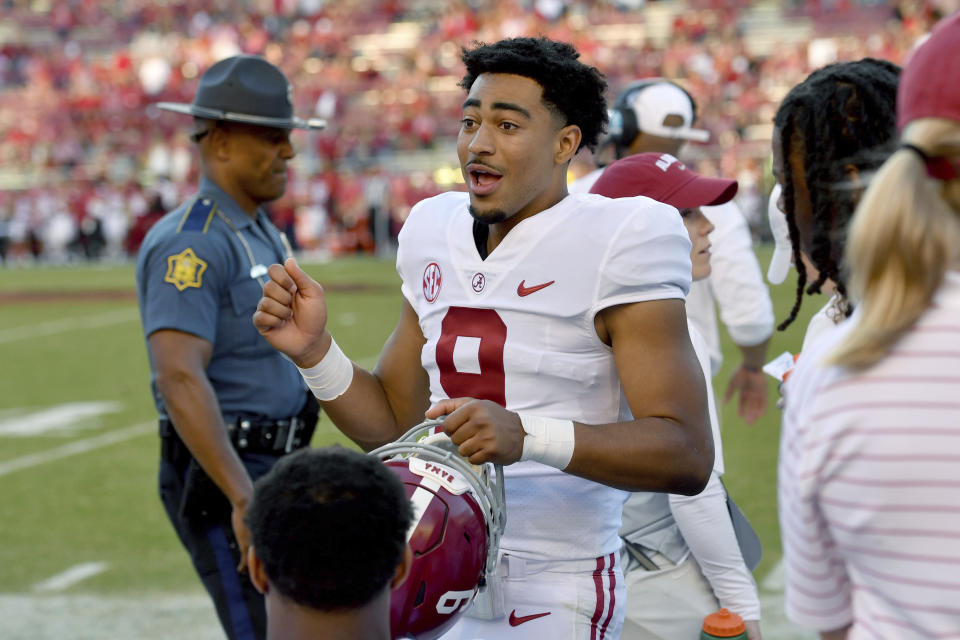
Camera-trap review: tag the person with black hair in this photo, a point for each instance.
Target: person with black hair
(831, 133)
(548, 329)
(329, 531)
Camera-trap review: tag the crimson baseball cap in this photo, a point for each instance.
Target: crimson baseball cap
(664, 178)
(929, 86)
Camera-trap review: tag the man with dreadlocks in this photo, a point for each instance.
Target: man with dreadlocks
(830, 133)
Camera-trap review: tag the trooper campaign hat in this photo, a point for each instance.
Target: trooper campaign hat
(246, 89)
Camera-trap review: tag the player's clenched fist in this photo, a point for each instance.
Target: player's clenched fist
(482, 430)
(292, 314)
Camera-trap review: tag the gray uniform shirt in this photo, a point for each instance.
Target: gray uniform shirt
(199, 271)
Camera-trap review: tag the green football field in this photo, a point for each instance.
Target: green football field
(78, 445)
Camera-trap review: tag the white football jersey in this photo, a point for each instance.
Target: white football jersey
(518, 329)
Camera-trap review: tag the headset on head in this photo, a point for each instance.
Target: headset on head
(624, 128)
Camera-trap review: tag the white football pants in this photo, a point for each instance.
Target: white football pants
(573, 600)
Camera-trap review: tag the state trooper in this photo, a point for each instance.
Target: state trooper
(229, 405)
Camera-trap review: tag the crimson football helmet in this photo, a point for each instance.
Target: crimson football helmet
(458, 518)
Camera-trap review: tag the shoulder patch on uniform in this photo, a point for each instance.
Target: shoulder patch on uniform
(185, 270)
(198, 215)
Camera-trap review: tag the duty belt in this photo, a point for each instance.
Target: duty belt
(269, 436)
(260, 436)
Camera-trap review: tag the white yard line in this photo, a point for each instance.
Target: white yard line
(154, 616)
(76, 447)
(70, 577)
(103, 440)
(63, 325)
(62, 418)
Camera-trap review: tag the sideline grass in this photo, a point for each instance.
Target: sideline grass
(102, 506)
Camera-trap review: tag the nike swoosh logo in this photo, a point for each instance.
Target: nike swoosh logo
(525, 291)
(516, 620)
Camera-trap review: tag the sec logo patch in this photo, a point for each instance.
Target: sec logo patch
(432, 280)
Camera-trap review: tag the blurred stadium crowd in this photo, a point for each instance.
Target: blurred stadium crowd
(87, 164)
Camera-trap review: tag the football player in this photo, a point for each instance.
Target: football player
(548, 328)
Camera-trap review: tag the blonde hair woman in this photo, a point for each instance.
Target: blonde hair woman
(870, 450)
(904, 239)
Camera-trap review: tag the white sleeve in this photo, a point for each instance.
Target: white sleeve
(736, 279)
(406, 237)
(706, 527)
(404, 287)
(702, 350)
(649, 257)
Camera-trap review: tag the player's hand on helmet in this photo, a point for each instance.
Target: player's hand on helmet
(482, 430)
(292, 314)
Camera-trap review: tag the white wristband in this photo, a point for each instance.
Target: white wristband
(331, 377)
(548, 440)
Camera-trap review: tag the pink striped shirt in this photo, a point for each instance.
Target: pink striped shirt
(869, 485)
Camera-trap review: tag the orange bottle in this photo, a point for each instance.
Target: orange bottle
(723, 624)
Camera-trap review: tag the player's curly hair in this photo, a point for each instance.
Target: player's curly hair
(329, 526)
(842, 117)
(571, 88)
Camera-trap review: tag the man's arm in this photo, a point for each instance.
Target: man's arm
(377, 407)
(180, 361)
(667, 447)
